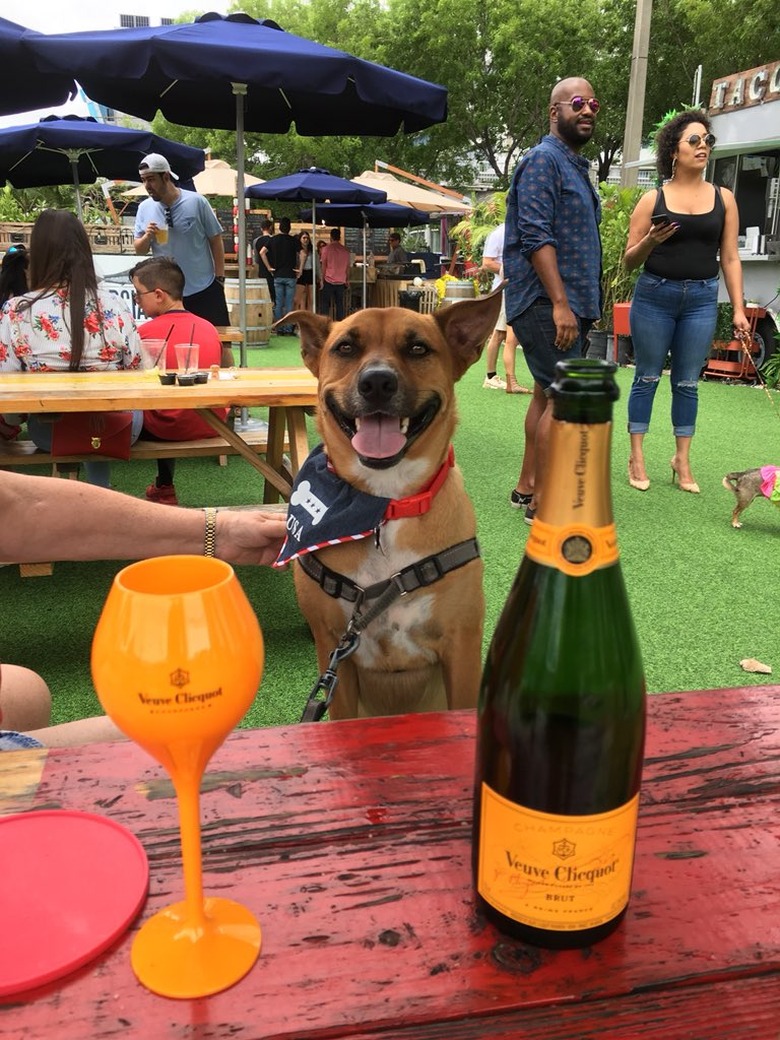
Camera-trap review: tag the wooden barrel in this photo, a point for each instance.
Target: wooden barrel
(259, 309)
(458, 290)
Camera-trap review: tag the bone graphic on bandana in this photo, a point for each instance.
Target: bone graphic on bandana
(315, 507)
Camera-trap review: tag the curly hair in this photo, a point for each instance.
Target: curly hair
(668, 137)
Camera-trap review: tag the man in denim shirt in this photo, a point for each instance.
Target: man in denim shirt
(552, 260)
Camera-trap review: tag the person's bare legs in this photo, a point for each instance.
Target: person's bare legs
(25, 700)
(636, 462)
(526, 481)
(94, 730)
(510, 360)
(543, 428)
(491, 358)
(681, 464)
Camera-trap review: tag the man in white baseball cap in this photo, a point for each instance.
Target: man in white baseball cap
(182, 224)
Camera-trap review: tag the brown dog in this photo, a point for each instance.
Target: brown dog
(747, 485)
(387, 415)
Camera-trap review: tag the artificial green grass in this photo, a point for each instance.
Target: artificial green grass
(701, 593)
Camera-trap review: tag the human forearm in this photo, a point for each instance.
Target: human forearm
(217, 247)
(545, 264)
(636, 255)
(489, 263)
(49, 519)
(143, 244)
(732, 276)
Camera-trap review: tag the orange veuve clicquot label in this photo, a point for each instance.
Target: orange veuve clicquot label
(560, 873)
(575, 549)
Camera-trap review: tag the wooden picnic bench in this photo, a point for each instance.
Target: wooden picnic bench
(24, 453)
(276, 454)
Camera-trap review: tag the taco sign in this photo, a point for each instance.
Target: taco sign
(745, 89)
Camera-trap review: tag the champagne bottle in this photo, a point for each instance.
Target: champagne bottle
(561, 714)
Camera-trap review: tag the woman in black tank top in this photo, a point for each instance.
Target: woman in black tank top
(676, 233)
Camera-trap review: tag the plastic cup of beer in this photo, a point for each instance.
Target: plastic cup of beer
(152, 357)
(187, 355)
(161, 234)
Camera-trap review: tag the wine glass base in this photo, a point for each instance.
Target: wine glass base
(174, 960)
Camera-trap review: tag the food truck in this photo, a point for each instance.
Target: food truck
(745, 112)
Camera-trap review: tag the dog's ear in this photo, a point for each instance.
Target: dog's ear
(466, 326)
(313, 330)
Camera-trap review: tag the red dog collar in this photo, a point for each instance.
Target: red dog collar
(419, 504)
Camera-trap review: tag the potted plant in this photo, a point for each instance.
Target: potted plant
(617, 283)
(724, 329)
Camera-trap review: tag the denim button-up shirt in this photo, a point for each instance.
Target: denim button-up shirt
(552, 202)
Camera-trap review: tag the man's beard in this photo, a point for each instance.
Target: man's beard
(575, 134)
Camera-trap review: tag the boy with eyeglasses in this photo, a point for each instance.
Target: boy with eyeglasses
(158, 284)
(182, 224)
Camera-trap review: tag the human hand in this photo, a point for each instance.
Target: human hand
(741, 322)
(152, 228)
(249, 536)
(659, 233)
(566, 326)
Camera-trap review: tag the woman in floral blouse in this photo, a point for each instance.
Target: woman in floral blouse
(66, 322)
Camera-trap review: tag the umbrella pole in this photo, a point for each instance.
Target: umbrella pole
(74, 165)
(314, 272)
(365, 262)
(239, 89)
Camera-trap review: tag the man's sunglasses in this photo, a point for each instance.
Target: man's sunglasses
(168, 216)
(708, 139)
(578, 103)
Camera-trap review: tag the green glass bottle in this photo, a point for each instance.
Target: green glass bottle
(561, 715)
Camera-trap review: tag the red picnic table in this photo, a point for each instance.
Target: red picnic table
(350, 841)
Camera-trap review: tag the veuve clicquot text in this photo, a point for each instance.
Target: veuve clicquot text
(561, 716)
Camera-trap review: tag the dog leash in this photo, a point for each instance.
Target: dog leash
(384, 593)
(744, 339)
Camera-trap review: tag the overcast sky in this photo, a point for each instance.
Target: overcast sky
(57, 16)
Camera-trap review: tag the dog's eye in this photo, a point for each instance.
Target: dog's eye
(344, 348)
(419, 349)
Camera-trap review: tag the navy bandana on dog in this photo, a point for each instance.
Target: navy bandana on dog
(325, 510)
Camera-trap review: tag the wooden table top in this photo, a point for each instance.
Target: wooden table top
(351, 843)
(112, 391)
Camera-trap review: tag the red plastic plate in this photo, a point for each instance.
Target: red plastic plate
(70, 884)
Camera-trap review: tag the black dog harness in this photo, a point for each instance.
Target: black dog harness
(378, 597)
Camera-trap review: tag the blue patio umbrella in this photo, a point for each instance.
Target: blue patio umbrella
(20, 89)
(315, 185)
(78, 150)
(373, 215)
(238, 73)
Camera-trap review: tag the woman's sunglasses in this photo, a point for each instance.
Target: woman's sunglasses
(708, 139)
(578, 103)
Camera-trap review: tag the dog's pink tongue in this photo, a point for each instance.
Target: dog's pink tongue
(379, 437)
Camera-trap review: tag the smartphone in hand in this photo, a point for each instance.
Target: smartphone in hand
(660, 218)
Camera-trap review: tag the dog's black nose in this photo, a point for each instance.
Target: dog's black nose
(377, 384)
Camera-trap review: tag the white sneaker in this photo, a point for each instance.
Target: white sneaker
(494, 383)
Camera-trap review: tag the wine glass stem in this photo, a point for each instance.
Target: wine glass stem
(188, 795)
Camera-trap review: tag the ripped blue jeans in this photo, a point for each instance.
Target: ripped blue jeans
(677, 318)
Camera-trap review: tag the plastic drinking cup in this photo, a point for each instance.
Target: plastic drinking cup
(187, 357)
(152, 353)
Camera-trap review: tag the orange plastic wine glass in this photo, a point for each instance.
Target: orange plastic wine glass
(176, 660)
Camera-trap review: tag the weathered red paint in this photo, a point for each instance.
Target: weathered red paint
(351, 842)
